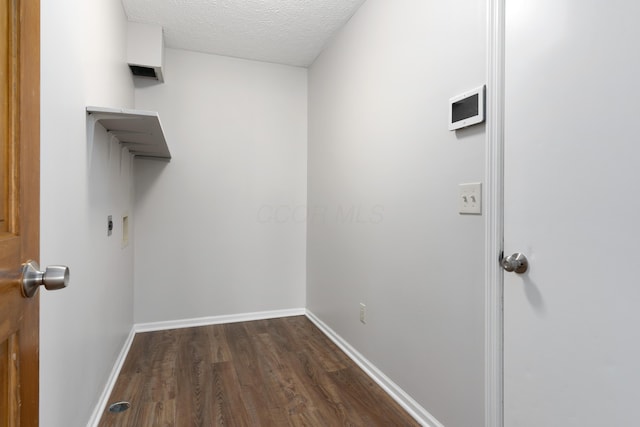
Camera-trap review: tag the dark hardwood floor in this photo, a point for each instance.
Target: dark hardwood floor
(279, 372)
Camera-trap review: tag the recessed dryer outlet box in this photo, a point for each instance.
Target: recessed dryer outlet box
(470, 198)
(125, 230)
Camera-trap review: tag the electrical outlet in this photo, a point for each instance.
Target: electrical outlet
(363, 313)
(109, 225)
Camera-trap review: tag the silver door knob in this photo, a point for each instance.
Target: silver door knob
(53, 278)
(517, 263)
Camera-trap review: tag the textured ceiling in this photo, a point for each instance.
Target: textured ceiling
(283, 31)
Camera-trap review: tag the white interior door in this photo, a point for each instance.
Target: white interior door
(572, 206)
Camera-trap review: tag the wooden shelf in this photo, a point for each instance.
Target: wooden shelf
(139, 131)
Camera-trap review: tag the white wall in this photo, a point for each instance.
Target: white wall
(379, 144)
(208, 239)
(83, 327)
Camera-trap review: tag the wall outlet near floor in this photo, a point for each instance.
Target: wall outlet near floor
(363, 313)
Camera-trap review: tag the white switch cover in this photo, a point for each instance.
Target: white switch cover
(470, 198)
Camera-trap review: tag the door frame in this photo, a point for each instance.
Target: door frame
(494, 215)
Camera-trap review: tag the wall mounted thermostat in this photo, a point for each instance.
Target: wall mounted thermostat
(467, 108)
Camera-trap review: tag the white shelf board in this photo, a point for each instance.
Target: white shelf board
(140, 131)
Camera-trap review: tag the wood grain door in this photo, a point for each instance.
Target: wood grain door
(19, 208)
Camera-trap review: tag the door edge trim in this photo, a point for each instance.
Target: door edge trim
(494, 223)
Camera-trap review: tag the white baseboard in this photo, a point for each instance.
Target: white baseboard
(411, 406)
(176, 324)
(111, 382)
(217, 320)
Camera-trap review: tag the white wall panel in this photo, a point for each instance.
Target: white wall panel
(383, 175)
(83, 327)
(216, 229)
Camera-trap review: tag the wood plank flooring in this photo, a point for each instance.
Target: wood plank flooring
(279, 372)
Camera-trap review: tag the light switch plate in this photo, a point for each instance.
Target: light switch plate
(470, 198)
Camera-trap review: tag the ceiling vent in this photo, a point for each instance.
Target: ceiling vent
(145, 50)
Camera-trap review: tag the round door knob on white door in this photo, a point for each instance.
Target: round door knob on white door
(53, 278)
(517, 263)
